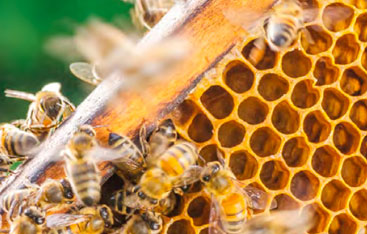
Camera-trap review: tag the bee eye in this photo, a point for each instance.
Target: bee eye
(206, 178)
(154, 201)
(141, 195)
(69, 195)
(40, 220)
(154, 226)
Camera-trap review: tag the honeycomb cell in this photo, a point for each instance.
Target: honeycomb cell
(252, 110)
(346, 49)
(231, 134)
(321, 40)
(334, 103)
(361, 27)
(304, 95)
(358, 203)
(217, 101)
(335, 195)
(304, 185)
(346, 138)
(285, 119)
(325, 161)
(204, 231)
(209, 153)
(272, 87)
(179, 207)
(354, 171)
(295, 152)
(181, 226)
(201, 129)
(265, 142)
(182, 113)
(243, 165)
(238, 77)
(342, 223)
(364, 147)
(325, 72)
(354, 81)
(286, 202)
(295, 64)
(199, 211)
(320, 217)
(274, 175)
(268, 60)
(316, 127)
(337, 16)
(358, 114)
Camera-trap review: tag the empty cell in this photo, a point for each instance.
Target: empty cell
(346, 49)
(286, 202)
(364, 147)
(346, 138)
(285, 119)
(304, 185)
(231, 134)
(274, 175)
(252, 110)
(209, 154)
(354, 81)
(181, 226)
(361, 27)
(325, 161)
(238, 77)
(335, 195)
(265, 142)
(268, 59)
(183, 113)
(334, 103)
(217, 101)
(316, 127)
(304, 95)
(321, 40)
(201, 129)
(325, 72)
(320, 217)
(337, 16)
(357, 204)
(354, 171)
(295, 152)
(342, 223)
(199, 211)
(272, 87)
(243, 165)
(358, 114)
(295, 64)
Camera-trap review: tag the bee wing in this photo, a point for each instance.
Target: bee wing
(258, 198)
(63, 220)
(84, 71)
(20, 95)
(214, 217)
(190, 176)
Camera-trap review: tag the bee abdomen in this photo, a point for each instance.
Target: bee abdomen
(18, 142)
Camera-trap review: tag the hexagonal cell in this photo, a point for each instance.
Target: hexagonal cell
(199, 211)
(304, 185)
(238, 76)
(295, 64)
(325, 72)
(304, 95)
(358, 203)
(360, 27)
(354, 171)
(316, 127)
(334, 103)
(285, 119)
(217, 101)
(181, 226)
(364, 147)
(286, 202)
(231, 134)
(271, 87)
(200, 129)
(204, 231)
(346, 138)
(243, 165)
(265, 142)
(342, 223)
(358, 114)
(209, 154)
(274, 175)
(325, 161)
(320, 217)
(337, 16)
(268, 60)
(346, 49)
(321, 40)
(252, 110)
(179, 207)
(354, 81)
(183, 113)
(335, 195)
(295, 152)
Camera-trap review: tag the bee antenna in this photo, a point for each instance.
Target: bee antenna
(202, 159)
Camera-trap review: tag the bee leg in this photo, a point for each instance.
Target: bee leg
(143, 140)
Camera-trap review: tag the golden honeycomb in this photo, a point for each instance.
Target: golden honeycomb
(294, 125)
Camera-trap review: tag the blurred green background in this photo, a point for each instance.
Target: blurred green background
(25, 26)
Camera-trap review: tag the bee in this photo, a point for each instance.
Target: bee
(29, 222)
(5, 163)
(47, 110)
(145, 223)
(88, 220)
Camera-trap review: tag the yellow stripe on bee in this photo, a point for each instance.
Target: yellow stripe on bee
(234, 207)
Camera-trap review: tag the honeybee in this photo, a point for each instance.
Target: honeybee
(146, 223)
(88, 220)
(47, 110)
(5, 163)
(29, 222)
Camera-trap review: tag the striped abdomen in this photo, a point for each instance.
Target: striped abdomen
(282, 30)
(18, 142)
(233, 213)
(117, 202)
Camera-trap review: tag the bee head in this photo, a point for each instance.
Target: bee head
(211, 169)
(53, 192)
(67, 190)
(51, 104)
(82, 142)
(35, 214)
(153, 220)
(87, 129)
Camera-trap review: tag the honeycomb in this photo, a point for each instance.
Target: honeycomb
(293, 125)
